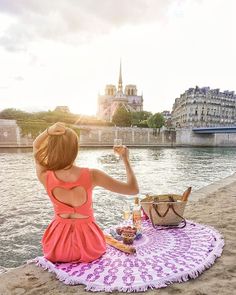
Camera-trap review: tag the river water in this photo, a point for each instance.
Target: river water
(25, 209)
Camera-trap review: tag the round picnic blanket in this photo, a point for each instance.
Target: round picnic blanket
(162, 257)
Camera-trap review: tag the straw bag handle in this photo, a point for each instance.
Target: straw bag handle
(170, 206)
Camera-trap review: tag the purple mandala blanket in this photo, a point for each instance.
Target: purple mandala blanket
(163, 257)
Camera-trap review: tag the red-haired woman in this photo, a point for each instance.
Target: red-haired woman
(73, 234)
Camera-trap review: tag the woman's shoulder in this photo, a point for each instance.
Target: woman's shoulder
(83, 171)
(80, 169)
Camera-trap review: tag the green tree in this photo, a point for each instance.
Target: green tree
(156, 121)
(14, 114)
(139, 118)
(31, 124)
(122, 117)
(143, 124)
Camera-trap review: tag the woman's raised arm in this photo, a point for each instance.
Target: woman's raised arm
(130, 187)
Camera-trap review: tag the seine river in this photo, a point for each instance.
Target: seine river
(25, 209)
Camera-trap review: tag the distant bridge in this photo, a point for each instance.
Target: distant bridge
(211, 130)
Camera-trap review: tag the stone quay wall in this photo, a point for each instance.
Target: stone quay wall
(9, 133)
(104, 136)
(10, 136)
(186, 137)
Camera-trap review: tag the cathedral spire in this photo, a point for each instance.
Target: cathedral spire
(120, 86)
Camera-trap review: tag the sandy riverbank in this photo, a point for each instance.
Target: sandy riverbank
(217, 207)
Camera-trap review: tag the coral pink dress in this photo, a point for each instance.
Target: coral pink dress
(77, 239)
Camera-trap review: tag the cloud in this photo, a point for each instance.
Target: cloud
(73, 20)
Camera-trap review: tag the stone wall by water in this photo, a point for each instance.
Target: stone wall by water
(104, 136)
(93, 136)
(10, 135)
(186, 137)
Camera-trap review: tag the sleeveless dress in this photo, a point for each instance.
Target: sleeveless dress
(77, 239)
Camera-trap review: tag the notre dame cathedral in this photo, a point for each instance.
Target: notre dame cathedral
(116, 97)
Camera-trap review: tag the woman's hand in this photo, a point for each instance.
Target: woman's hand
(57, 129)
(130, 187)
(122, 151)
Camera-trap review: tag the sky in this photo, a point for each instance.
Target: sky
(64, 52)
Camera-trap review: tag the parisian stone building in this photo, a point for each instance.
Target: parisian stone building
(116, 97)
(204, 107)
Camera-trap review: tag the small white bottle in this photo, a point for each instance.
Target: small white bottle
(137, 215)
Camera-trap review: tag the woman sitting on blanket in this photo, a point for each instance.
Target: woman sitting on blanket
(73, 234)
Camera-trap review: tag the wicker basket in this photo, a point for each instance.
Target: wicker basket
(165, 209)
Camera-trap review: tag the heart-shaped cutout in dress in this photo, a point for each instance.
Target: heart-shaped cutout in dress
(74, 197)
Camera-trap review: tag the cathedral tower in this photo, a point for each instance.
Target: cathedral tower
(113, 99)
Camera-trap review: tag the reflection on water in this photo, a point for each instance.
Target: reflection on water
(25, 209)
(13, 150)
